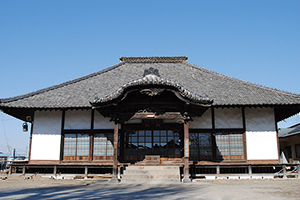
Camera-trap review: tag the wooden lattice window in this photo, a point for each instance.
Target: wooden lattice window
(229, 146)
(201, 146)
(103, 145)
(76, 146)
(138, 143)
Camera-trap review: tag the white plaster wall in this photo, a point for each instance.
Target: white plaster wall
(78, 119)
(260, 119)
(261, 145)
(202, 122)
(47, 122)
(228, 118)
(46, 136)
(102, 123)
(45, 147)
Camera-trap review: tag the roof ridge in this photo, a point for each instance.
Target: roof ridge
(6, 100)
(154, 59)
(242, 81)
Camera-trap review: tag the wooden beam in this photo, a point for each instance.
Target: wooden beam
(186, 140)
(277, 138)
(152, 115)
(62, 138)
(122, 133)
(91, 138)
(213, 138)
(30, 142)
(244, 134)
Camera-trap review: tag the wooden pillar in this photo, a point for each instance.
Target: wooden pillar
(91, 148)
(115, 159)
(277, 137)
(121, 156)
(186, 168)
(62, 139)
(30, 142)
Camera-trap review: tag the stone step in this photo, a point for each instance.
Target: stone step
(154, 170)
(160, 173)
(150, 160)
(173, 180)
(151, 176)
(172, 162)
(151, 172)
(147, 167)
(136, 176)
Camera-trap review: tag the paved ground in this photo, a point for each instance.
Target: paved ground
(38, 188)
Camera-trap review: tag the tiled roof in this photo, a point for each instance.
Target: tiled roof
(201, 82)
(291, 131)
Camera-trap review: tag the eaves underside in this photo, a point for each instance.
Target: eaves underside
(90, 106)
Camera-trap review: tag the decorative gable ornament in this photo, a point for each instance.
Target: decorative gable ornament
(151, 70)
(152, 85)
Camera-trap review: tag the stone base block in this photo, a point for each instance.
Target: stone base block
(210, 177)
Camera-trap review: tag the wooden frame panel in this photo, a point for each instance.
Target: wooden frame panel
(90, 156)
(149, 139)
(215, 156)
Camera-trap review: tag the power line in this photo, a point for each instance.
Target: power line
(6, 140)
(6, 119)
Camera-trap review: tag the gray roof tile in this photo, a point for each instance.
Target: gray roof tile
(223, 90)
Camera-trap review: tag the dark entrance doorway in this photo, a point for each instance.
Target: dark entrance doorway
(165, 140)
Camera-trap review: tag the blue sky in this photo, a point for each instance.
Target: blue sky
(44, 43)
